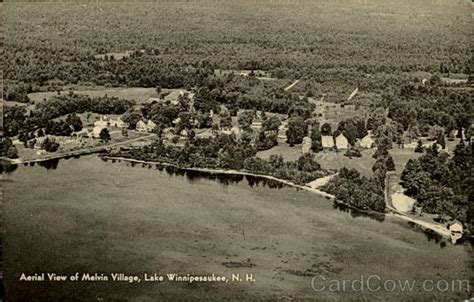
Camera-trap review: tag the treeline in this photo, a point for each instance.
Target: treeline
(443, 185)
(419, 106)
(18, 120)
(75, 103)
(237, 92)
(355, 190)
(228, 152)
(178, 47)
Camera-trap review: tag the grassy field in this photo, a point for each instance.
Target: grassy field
(328, 159)
(138, 94)
(90, 216)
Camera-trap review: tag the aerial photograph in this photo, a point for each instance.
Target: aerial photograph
(237, 150)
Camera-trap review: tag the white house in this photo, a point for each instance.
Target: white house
(327, 141)
(117, 123)
(145, 127)
(96, 131)
(234, 130)
(306, 146)
(430, 145)
(367, 142)
(150, 125)
(342, 142)
(282, 132)
(456, 230)
(141, 126)
(256, 125)
(102, 122)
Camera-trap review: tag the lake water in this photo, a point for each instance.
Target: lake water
(87, 215)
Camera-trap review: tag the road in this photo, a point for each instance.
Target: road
(291, 86)
(81, 151)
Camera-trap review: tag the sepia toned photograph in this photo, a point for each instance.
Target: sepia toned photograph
(237, 150)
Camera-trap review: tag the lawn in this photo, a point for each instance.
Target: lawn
(138, 94)
(327, 159)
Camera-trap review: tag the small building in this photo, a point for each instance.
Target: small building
(82, 133)
(306, 146)
(367, 142)
(342, 142)
(96, 131)
(102, 122)
(117, 123)
(141, 126)
(327, 141)
(256, 125)
(148, 126)
(282, 132)
(234, 130)
(411, 145)
(456, 230)
(430, 145)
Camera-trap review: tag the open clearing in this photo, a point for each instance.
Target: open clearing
(138, 94)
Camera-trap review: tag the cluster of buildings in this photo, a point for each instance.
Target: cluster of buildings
(103, 123)
(147, 126)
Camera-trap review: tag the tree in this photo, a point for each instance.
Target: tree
(350, 132)
(376, 118)
(326, 129)
(245, 119)
(6, 143)
(132, 118)
(12, 152)
(104, 134)
(297, 130)
(50, 145)
(316, 143)
(419, 147)
(271, 123)
(74, 121)
(225, 121)
(307, 163)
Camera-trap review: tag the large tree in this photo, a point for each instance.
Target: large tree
(297, 130)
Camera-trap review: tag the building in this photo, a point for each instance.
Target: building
(430, 145)
(282, 132)
(148, 126)
(367, 142)
(456, 230)
(306, 146)
(96, 131)
(327, 141)
(234, 130)
(256, 125)
(342, 142)
(102, 122)
(82, 133)
(117, 123)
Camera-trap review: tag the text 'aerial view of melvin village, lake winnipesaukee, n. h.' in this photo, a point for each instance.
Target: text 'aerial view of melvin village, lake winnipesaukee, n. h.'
(237, 150)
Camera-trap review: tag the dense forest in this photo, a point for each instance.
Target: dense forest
(308, 40)
(443, 185)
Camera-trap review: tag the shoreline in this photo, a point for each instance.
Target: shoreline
(222, 171)
(391, 212)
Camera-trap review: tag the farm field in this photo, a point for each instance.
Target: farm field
(138, 94)
(136, 220)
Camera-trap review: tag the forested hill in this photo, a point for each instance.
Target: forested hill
(325, 41)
